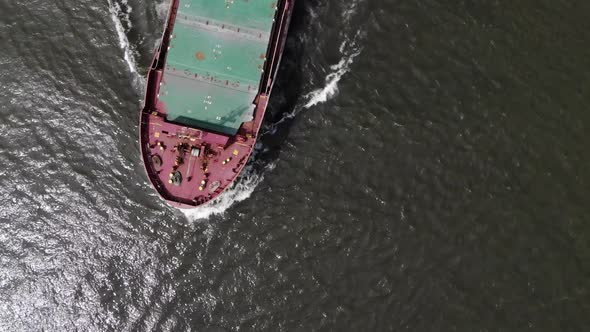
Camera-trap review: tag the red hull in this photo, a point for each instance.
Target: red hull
(190, 166)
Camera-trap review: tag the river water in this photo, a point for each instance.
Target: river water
(423, 167)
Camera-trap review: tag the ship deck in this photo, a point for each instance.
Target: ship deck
(215, 61)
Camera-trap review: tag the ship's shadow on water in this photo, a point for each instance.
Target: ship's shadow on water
(287, 93)
(317, 55)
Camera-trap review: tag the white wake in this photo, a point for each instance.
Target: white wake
(349, 52)
(122, 21)
(337, 71)
(240, 190)
(162, 9)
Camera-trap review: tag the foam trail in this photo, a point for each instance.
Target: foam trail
(162, 9)
(241, 189)
(121, 19)
(337, 71)
(349, 51)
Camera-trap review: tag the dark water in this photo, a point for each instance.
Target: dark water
(424, 167)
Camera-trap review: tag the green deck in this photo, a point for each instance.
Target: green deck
(215, 62)
(256, 14)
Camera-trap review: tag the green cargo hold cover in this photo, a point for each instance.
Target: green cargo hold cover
(215, 61)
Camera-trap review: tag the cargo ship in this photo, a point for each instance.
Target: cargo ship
(206, 94)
